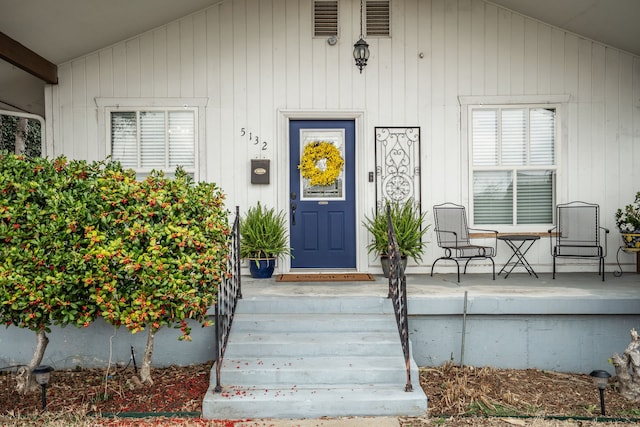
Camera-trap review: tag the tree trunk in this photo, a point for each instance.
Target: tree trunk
(21, 136)
(24, 379)
(145, 369)
(628, 369)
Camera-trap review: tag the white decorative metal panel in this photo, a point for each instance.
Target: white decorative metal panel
(397, 164)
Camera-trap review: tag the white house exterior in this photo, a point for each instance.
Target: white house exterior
(246, 68)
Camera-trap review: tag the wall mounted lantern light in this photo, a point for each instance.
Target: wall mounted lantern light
(361, 48)
(601, 380)
(361, 53)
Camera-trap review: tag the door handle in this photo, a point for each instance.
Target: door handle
(293, 213)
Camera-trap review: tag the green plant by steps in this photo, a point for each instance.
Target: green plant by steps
(408, 224)
(263, 233)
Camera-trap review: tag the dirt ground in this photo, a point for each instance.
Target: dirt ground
(457, 397)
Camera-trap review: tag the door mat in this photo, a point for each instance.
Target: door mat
(331, 277)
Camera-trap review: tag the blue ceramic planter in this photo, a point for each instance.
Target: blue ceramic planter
(262, 268)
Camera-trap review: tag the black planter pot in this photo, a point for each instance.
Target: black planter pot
(261, 268)
(384, 261)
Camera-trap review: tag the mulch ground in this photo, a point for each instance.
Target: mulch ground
(455, 391)
(174, 389)
(457, 397)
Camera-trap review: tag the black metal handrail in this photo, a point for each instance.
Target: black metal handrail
(229, 292)
(398, 295)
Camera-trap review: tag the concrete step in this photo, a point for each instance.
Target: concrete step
(300, 344)
(295, 402)
(301, 322)
(305, 357)
(272, 372)
(319, 304)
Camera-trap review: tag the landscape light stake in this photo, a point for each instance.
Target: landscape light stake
(601, 380)
(43, 373)
(133, 357)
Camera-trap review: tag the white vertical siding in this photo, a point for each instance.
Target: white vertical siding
(634, 153)
(544, 61)
(251, 58)
(213, 162)
(488, 45)
(92, 91)
(79, 108)
(158, 75)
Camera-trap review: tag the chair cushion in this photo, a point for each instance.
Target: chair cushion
(471, 251)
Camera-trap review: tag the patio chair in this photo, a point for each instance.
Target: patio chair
(577, 234)
(453, 236)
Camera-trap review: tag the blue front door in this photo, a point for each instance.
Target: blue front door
(322, 217)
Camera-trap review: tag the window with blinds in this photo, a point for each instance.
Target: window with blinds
(378, 18)
(513, 164)
(154, 139)
(325, 18)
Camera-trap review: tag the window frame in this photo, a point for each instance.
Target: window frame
(106, 106)
(471, 103)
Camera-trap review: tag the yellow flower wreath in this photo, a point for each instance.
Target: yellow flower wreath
(312, 154)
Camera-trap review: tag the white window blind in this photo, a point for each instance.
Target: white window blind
(124, 140)
(513, 164)
(181, 139)
(152, 140)
(535, 196)
(157, 139)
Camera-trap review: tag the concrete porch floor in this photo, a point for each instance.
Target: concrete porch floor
(583, 285)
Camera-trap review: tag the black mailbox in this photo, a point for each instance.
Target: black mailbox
(260, 171)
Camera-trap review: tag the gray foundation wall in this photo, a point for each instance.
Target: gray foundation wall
(73, 347)
(554, 333)
(567, 343)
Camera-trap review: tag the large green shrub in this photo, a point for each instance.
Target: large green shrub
(82, 240)
(160, 250)
(45, 207)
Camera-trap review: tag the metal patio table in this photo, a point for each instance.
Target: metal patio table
(520, 245)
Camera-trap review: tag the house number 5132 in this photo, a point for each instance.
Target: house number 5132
(254, 139)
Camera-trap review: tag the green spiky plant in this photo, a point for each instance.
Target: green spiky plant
(408, 224)
(263, 233)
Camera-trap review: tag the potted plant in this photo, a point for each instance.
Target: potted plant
(263, 238)
(408, 224)
(628, 222)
